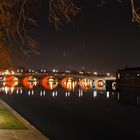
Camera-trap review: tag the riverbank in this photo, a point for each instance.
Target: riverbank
(15, 127)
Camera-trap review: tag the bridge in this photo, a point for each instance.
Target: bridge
(50, 81)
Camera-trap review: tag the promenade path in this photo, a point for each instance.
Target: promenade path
(15, 127)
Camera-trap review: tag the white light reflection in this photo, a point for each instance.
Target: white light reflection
(44, 93)
(12, 89)
(138, 99)
(80, 93)
(32, 92)
(107, 94)
(56, 93)
(4, 83)
(29, 92)
(68, 93)
(118, 95)
(6, 90)
(94, 94)
(21, 91)
(17, 91)
(53, 94)
(41, 93)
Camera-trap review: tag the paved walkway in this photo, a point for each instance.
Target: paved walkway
(31, 133)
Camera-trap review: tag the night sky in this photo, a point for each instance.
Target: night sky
(99, 39)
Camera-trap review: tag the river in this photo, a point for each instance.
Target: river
(76, 115)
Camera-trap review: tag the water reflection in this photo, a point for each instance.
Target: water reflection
(42, 92)
(68, 87)
(125, 97)
(80, 93)
(129, 97)
(107, 94)
(94, 94)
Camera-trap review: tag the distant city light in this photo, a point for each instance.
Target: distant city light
(95, 73)
(67, 71)
(108, 74)
(81, 72)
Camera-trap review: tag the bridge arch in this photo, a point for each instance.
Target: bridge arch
(85, 84)
(49, 82)
(10, 81)
(68, 83)
(29, 82)
(100, 83)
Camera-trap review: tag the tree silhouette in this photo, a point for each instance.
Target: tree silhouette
(16, 22)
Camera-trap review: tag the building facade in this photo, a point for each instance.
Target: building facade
(128, 77)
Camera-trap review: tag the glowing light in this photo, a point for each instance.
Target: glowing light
(81, 72)
(100, 84)
(114, 85)
(85, 84)
(44, 93)
(53, 94)
(29, 92)
(69, 84)
(95, 73)
(11, 81)
(8, 89)
(21, 91)
(66, 94)
(49, 82)
(29, 82)
(80, 93)
(12, 89)
(7, 72)
(119, 75)
(32, 92)
(41, 93)
(94, 94)
(118, 96)
(107, 94)
(108, 74)
(17, 91)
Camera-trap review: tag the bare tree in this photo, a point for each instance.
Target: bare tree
(135, 12)
(16, 20)
(61, 12)
(135, 8)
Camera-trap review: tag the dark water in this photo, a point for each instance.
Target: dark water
(93, 115)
